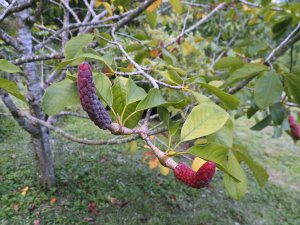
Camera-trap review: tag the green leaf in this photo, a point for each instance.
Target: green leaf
(204, 119)
(265, 2)
(267, 90)
(277, 113)
(262, 124)
(134, 47)
(134, 92)
(11, 88)
(103, 43)
(79, 58)
(293, 85)
(177, 7)
(76, 44)
(153, 99)
(164, 115)
(172, 77)
(229, 101)
(201, 98)
(8, 67)
(168, 57)
(59, 95)
(235, 189)
(152, 18)
(214, 152)
(258, 171)
(228, 63)
(126, 97)
(246, 71)
(103, 88)
(224, 136)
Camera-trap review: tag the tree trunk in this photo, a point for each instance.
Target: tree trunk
(41, 144)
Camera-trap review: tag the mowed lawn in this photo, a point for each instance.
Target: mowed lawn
(106, 185)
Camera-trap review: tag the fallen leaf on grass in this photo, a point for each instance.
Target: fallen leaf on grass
(36, 222)
(24, 190)
(92, 208)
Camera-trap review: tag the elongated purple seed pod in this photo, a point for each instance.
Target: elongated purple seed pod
(88, 98)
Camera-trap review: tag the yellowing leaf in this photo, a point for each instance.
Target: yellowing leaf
(216, 83)
(200, 141)
(97, 3)
(132, 147)
(163, 170)
(53, 200)
(154, 53)
(24, 190)
(154, 6)
(187, 48)
(197, 163)
(153, 163)
(107, 7)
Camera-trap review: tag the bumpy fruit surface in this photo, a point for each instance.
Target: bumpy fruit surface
(295, 129)
(198, 179)
(88, 98)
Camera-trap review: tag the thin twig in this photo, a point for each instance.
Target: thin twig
(283, 43)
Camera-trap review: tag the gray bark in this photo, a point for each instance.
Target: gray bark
(41, 144)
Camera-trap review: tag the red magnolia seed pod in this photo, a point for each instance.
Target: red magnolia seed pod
(88, 98)
(198, 179)
(295, 128)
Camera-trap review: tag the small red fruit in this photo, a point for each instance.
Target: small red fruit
(295, 129)
(198, 179)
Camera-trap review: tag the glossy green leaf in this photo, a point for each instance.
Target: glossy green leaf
(171, 77)
(11, 88)
(293, 85)
(204, 119)
(8, 67)
(228, 63)
(200, 98)
(235, 189)
(60, 95)
(267, 90)
(224, 136)
(262, 124)
(277, 113)
(76, 44)
(246, 71)
(258, 171)
(103, 88)
(153, 99)
(229, 101)
(79, 58)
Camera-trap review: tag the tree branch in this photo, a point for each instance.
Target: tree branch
(15, 113)
(284, 45)
(196, 25)
(10, 40)
(133, 14)
(34, 58)
(84, 140)
(18, 8)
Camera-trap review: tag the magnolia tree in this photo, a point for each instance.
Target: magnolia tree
(171, 72)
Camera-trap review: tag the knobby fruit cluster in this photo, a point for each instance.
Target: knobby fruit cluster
(88, 98)
(96, 112)
(295, 128)
(198, 179)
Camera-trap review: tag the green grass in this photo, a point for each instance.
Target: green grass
(99, 173)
